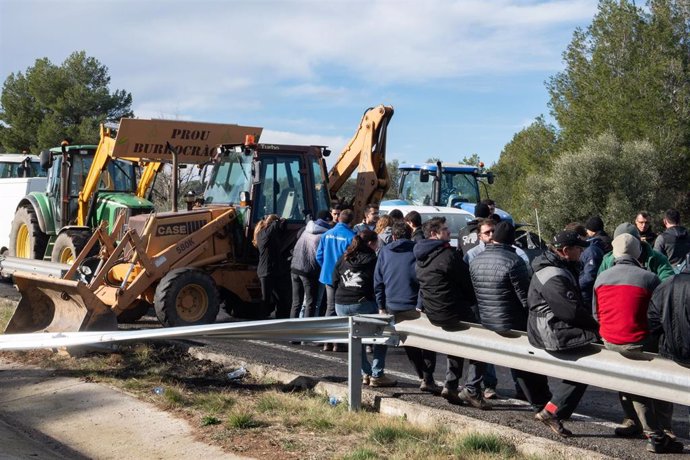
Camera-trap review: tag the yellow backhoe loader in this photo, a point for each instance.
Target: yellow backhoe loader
(186, 264)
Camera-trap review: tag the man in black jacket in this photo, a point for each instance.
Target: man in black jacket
(674, 242)
(559, 320)
(447, 298)
(501, 280)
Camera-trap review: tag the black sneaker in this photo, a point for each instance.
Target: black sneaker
(430, 387)
(474, 399)
(550, 420)
(664, 445)
(628, 429)
(451, 396)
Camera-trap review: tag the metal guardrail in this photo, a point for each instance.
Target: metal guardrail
(643, 374)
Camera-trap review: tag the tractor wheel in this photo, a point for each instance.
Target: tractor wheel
(26, 238)
(68, 245)
(186, 297)
(134, 313)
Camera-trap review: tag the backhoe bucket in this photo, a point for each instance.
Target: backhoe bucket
(58, 305)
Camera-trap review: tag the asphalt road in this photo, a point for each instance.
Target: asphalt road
(598, 413)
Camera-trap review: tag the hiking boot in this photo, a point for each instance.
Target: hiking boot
(628, 429)
(370, 349)
(430, 387)
(451, 396)
(366, 379)
(664, 445)
(550, 420)
(327, 347)
(382, 381)
(490, 393)
(475, 400)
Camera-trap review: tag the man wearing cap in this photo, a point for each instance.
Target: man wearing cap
(650, 259)
(559, 320)
(621, 301)
(469, 237)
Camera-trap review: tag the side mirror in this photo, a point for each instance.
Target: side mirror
(490, 177)
(256, 172)
(423, 175)
(46, 159)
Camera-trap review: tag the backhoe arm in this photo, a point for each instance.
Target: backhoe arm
(365, 152)
(147, 177)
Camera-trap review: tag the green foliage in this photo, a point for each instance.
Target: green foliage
(531, 151)
(472, 160)
(605, 177)
(208, 420)
(47, 103)
(628, 73)
(394, 178)
(243, 420)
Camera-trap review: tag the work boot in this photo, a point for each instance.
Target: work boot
(382, 381)
(628, 429)
(327, 347)
(366, 379)
(475, 400)
(663, 444)
(451, 396)
(339, 348)
(430, 387)
(550, 420)
(370, 349)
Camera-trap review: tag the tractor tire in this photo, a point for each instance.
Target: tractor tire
(68, 245)
(186, 297)
(134, 313)
(26, 238)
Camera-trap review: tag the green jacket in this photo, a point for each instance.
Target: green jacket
(654, 261)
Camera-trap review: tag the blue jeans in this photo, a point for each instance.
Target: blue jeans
(368, 307)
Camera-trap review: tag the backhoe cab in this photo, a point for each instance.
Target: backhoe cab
(184, 264)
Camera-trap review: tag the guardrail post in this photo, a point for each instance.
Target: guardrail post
(354, 366)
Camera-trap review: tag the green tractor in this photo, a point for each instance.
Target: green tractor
(85, 186)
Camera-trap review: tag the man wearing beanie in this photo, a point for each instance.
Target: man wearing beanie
(501, 280)
(595, 230)
(621, 300)
(650, 259)
(486, 229)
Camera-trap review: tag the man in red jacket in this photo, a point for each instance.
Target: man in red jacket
(621, 300)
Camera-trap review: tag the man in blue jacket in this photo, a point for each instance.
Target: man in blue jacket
(333, 245)
(397, 289)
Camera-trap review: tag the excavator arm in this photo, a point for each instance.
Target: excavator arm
(365, 152)
(147, 177)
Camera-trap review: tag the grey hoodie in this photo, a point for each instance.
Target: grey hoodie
(304, 252)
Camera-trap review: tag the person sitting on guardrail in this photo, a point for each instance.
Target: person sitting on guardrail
(353, 282)
(447, 298)
(500, 278)
(621, 300)
(397, 289)
(559, 321)
(590, 259)
(674, 242)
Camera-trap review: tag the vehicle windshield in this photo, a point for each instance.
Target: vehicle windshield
(21, 169)
(228, 178)
(320, 188)
(414, 191)
(455, 222)
(460, 187)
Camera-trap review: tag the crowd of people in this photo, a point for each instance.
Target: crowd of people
(629, 291)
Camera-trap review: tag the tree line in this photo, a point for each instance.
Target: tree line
(622, 107)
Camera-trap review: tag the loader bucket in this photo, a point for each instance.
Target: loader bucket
(58, 305)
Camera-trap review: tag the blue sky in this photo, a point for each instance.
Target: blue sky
(464, 76)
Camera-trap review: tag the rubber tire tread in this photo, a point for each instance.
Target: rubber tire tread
(168, 289)
(39, 240)
(75, 240)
